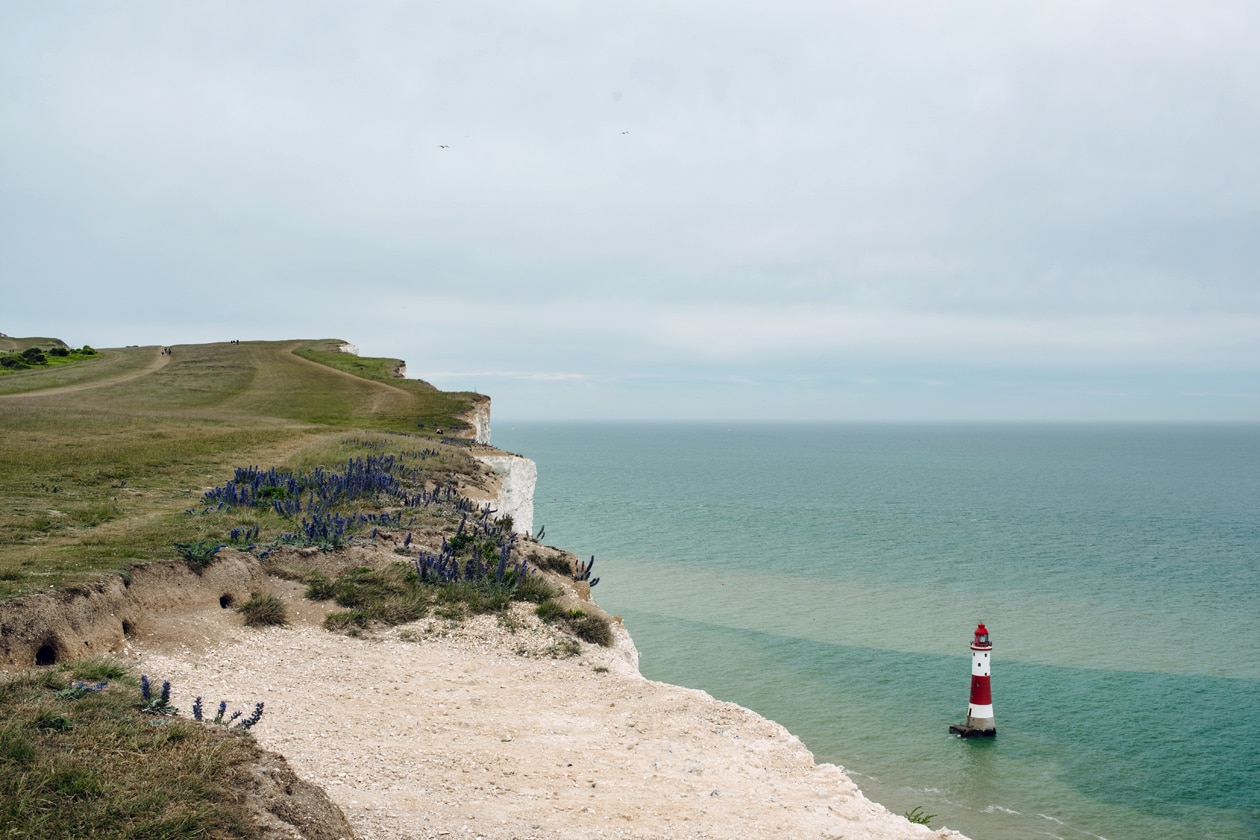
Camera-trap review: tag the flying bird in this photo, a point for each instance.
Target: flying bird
(443, 147)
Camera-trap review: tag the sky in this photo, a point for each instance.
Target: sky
(701, 210)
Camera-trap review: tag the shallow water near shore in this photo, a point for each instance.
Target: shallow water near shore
(829, 577)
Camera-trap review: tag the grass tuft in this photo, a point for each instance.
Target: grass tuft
(95, 669)
(588, 627)
(917, 816)
(591, 628)
(264, 611)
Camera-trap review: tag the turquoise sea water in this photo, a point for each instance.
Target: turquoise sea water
(830, 576)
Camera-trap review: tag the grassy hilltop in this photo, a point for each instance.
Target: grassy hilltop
(101, 456)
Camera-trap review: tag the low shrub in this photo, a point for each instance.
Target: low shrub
(535, 589)
(559, 564)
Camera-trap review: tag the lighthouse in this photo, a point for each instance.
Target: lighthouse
(980, 708)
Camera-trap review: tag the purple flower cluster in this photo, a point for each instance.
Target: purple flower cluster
(447, 566)
(583, 571)
(247, 723)
(382, 478)
(254, 717)
(160, 705)
(319, 498)
(244, 535)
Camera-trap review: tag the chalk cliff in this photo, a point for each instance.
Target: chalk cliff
(517, 478)
(516, 475)
(479, 418)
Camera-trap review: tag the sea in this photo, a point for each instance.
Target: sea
(830, 577)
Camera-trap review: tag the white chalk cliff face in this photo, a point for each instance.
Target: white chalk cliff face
(479, 417)
(517, 478)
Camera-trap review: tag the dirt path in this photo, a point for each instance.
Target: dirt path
(159, 361)
(488, 732)
(384, 390)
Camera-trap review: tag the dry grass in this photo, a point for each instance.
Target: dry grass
(89, 763)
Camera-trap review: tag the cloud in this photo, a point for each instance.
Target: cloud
(729, 192)
(598, 330)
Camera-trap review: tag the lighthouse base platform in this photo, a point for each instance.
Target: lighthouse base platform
(963, 731)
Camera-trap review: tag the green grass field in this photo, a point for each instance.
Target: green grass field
(100, 458)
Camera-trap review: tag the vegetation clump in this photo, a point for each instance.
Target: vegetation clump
(264, 611)
(79, 758)
(36, 357)
(159, 704)
(588, 627)
(475, 571)
(374, 499)
(917, 816)
(330, 507)
(198, 554)
(386, 596)
(561, 564)
(222, 718)
(452, 585)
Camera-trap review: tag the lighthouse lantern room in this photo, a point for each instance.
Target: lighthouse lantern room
(980, 707)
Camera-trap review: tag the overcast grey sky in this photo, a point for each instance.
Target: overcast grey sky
(665, 210)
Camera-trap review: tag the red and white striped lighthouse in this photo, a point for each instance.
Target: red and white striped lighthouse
(980, 708)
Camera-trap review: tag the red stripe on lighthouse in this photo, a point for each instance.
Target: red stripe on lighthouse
(980, 694)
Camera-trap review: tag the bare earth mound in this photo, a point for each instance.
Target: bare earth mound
(493, 731)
